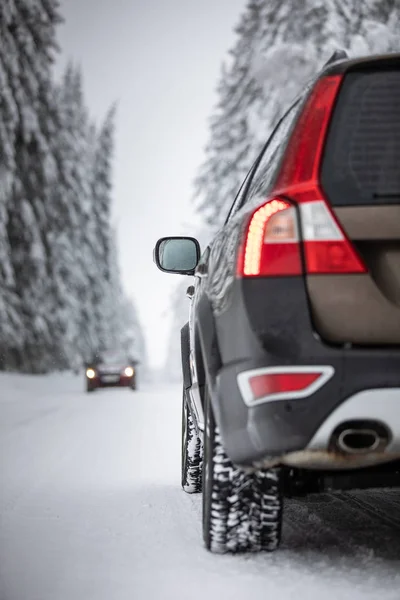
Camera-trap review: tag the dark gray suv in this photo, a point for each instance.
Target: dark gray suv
(291, 356)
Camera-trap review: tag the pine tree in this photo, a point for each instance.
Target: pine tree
(27, 45)
(101, 186)
(67, 208)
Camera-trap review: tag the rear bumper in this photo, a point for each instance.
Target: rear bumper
(268, 325)
(299, 432)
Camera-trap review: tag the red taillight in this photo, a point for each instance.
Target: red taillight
(326, 247)
(301, 163)
(271, 243)
(280, 383)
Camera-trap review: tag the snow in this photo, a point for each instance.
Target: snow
(91, 508)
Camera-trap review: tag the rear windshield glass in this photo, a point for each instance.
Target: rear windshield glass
(362, 155)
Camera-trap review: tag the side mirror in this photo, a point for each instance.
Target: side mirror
(177, 255)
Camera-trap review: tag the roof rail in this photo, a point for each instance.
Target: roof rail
(337, 55)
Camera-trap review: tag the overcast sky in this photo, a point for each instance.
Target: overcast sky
(160, 60)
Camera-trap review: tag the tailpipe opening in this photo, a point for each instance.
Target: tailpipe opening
(360, 437)
(355, 441)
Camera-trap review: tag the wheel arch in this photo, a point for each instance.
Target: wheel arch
(185, 356)
(207, 355)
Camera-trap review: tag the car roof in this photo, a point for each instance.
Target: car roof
(385, 61)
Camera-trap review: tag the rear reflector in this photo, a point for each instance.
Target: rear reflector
(282, 383)
(276, 383)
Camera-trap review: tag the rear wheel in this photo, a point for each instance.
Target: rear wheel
(192, 453)
(242, 511)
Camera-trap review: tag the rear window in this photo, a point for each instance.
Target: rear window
(362, 155)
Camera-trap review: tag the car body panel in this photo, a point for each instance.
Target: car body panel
(352, 309)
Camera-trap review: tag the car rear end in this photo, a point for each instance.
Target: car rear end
(311, 375)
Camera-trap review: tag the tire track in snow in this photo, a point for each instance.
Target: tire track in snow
(388, 497)
(370, 507)
(345, 522)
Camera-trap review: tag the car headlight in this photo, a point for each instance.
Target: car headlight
(90, 373)
(129, 371)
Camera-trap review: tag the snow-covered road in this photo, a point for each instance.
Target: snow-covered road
(91, 509)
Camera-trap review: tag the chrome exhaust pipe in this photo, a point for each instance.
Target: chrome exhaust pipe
(359, 441)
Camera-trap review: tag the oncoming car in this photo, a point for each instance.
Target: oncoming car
(111, 369)
(291, 354)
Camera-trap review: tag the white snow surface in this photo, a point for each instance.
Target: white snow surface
(91, 508)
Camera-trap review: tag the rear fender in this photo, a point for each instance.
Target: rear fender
(208, 359)
(185, 356)
(199, 367)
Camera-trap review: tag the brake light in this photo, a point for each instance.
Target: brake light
(271, 243)
(326, 247)
(280, 383)
(302, 160)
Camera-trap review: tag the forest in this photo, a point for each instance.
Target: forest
(61, 296)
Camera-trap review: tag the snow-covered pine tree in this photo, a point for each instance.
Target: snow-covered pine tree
(101, 188)
(68, 205)
(60, 291)
(27, 46)
(280, 45)
(11, 327)
(90, 311)
(91, 258)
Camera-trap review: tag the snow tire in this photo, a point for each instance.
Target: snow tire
(192, 453)
(242, 511)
